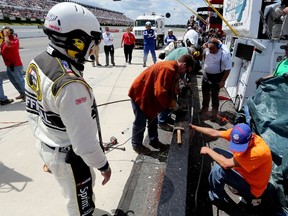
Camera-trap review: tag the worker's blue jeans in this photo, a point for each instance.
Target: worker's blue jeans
(3, 97)
(162, 116)
(16, 77)
(139, 126)
(218, 177)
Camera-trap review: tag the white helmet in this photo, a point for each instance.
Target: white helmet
(148, 23)
(74, 28)
(190, 38)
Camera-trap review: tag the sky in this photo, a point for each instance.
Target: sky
(133, 8)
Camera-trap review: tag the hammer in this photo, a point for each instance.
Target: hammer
(179, 134)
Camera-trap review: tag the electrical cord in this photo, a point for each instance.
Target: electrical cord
(201, 165)
(202, 161)
(202, 156)
(228, 114)
(130, 137)
(16, 124)
(112, 102)
(99, 105)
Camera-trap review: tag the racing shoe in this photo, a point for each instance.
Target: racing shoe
(142, 150)
(159, 145)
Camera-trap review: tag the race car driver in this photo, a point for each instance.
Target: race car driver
(61, 107)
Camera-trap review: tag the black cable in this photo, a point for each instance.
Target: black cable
(11, 126)
(112, 102)
(201, 170)
(119, 101)
(131, 136)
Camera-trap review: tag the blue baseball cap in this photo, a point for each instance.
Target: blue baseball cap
(240, 138)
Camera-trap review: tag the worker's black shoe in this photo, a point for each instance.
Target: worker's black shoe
(5, 102)
(170, 120)
(159, 145)
(165, 127)
(142, 150)
(203, 111)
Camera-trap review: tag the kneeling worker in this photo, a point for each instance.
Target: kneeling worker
(246, 168)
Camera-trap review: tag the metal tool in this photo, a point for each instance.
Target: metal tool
(179, 130)
(115, 147)
(110, 145)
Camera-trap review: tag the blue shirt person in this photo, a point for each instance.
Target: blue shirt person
(149, 43)
(170, 37)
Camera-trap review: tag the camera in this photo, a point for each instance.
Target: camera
(7, 27)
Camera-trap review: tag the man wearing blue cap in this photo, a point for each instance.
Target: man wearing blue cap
(246, 167)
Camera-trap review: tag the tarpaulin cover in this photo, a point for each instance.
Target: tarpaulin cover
(269, 118)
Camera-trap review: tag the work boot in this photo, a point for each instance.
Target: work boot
(214, 114)
(159, 145)
(203, 111)
(5, 102)
(22, 97)
(170, 120)
(142, 150)
(144, 64)
(165, 127)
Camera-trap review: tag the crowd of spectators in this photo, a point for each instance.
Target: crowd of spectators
(37, 9)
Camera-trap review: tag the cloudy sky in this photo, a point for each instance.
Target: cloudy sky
(134, 8)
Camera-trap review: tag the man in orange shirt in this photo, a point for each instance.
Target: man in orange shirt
(246, 168)
(152, 92)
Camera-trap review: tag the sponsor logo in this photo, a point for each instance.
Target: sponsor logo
(55, 28)
(83, 194)
(50, 119)
(80, 100)
(51, 17)
(236, 138)
(33, 104)
(66, 66)
(33, 80)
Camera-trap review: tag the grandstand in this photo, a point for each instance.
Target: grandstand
(34, 11)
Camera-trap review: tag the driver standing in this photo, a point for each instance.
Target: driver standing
(61, 106)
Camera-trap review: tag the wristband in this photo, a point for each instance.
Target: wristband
(105, 168)
(104, 171)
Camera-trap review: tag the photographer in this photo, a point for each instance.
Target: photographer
(11, 57)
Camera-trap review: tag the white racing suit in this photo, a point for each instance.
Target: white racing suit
(61, 112)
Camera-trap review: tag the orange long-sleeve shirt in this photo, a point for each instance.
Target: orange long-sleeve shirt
(154, 89)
